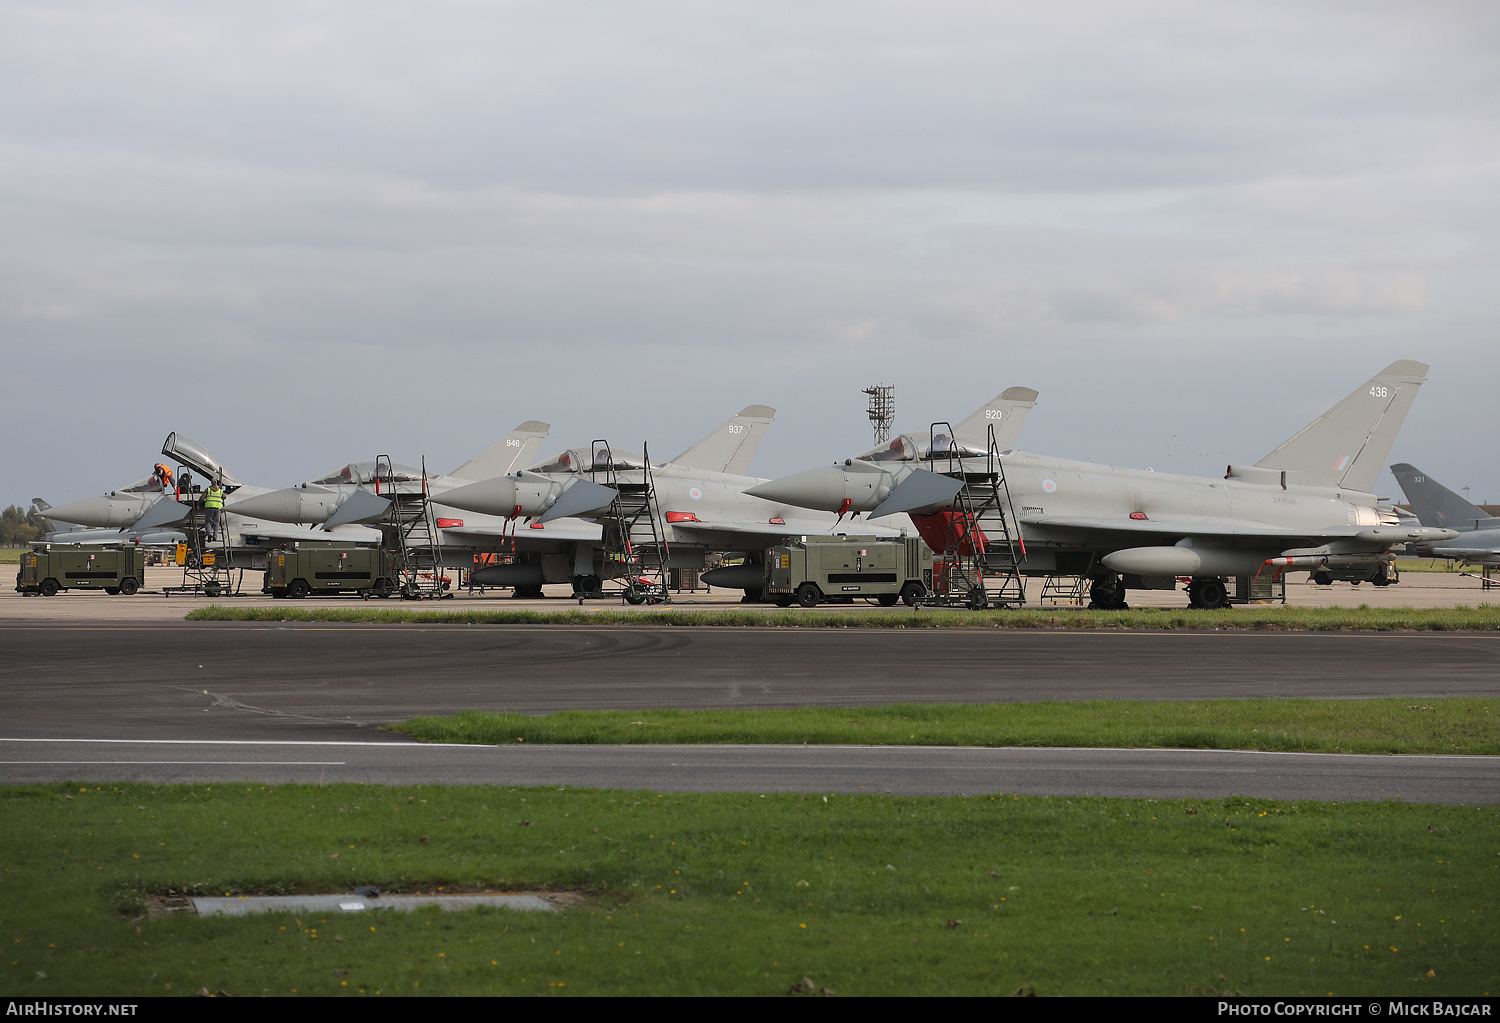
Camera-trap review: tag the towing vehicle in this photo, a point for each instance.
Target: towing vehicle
(49, 567)
(308, 567)
(813, 569)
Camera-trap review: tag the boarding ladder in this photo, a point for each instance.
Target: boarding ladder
(1065, 588)
(634, 531)
(980, 563)
(205, 559)
(409, 533)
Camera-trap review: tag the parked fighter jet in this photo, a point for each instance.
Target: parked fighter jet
(150, 507)
(1478, 539)
(66, 532)
(1305, 505)
(350, 493)
(699, 493)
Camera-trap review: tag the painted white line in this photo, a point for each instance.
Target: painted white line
(785, 748)
(186, 763)
(264, 742)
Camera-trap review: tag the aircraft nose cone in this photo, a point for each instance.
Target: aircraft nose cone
(101, 512)
(487, 497)
(277, 506)
(819, 489)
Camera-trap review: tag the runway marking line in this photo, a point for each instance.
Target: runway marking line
(781, 747)
(184, 763)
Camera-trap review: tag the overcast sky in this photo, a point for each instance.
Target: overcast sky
(307, 233)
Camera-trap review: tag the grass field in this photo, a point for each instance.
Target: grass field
(11, 555)
(1451, 725)
(745, 894)
(1486, 617)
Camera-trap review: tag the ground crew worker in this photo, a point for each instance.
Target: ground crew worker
(213, 509)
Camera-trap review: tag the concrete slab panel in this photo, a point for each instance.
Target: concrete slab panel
(244, 905)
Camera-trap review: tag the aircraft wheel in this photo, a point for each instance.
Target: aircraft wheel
(1323, 577)
(298, 588)
(807, 595)
(887, 599)
(1106, 594)
(1208, 594)
(129, 587)
(977, 600)
(48, 588)
(911, 593)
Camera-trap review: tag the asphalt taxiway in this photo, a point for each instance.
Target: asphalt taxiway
(178, 701)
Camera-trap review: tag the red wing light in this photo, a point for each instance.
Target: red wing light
(537, 525)
(681, 517)
(450, 523)
(778, 521)
(1138, 516)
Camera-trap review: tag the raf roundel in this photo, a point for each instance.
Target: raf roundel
(695, 493)
(1049, 485)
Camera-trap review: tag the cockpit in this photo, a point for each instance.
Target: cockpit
(600, 459)
(364, 473)
(922, 447)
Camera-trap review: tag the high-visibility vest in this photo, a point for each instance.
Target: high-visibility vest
(214, 498)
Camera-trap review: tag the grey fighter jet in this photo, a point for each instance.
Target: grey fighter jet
(151, 507)
(349, 493)
(700, 493)
(1305, 505)
(1478, 539)
(66, 532)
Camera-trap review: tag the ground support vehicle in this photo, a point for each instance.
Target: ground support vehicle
(114, 568)
(308, 567)
(818, 568)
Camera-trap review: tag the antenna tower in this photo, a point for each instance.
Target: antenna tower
(882, 410)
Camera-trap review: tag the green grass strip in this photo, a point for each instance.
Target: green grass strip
(1486, 617)
(1447, 725)
(741, 894)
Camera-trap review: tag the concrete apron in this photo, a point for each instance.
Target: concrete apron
(247, 904)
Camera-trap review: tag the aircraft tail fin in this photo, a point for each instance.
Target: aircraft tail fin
(506, 455)
(732, 444)
(1347, 445)
(1007, 411)
(1436, 505)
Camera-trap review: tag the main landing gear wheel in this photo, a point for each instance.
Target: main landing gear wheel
(1323, 577)
(1108, 594)
(808, 595)
(1208, 594)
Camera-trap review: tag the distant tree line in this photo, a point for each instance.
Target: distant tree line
(18, 527)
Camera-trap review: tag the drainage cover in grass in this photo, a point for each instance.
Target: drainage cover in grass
(247, 904)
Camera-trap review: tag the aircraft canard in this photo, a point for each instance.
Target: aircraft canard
(1298, 507)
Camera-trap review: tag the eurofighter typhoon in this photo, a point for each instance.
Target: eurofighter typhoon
(1478, 539)
(1306, 505)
